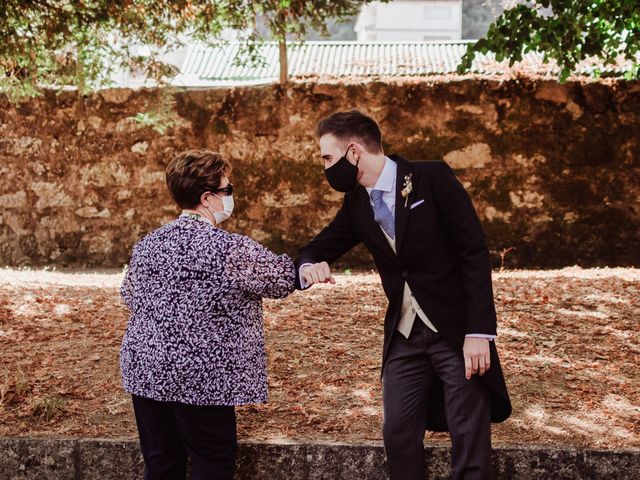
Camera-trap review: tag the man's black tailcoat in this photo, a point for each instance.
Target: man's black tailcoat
(441, 253)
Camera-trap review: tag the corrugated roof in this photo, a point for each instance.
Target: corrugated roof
(206, 65)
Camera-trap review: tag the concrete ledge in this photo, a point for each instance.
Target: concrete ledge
(80, 459)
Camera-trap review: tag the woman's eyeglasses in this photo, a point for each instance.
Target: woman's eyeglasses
(227, 190)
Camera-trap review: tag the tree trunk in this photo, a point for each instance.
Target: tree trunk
(284, 66)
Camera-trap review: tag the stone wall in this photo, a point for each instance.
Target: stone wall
(107, 459)
(553, 169)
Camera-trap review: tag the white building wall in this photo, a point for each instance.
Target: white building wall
(410, 21)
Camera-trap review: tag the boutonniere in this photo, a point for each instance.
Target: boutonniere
(406, 188)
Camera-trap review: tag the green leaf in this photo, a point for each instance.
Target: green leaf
(568, 33)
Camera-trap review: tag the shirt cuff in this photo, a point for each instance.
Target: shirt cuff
(303, 283)
(481, 335)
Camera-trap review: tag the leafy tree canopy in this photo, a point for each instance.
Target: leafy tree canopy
(567, 31)
(82, 42)
(75, 42)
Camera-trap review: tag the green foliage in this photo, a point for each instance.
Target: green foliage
(55, 43)
(153, 119)
(566, 31)
(161, 114)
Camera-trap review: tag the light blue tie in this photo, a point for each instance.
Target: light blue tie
(382, 214)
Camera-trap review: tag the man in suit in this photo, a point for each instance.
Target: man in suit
(440, 368)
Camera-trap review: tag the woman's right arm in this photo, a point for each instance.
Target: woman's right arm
(257, 270)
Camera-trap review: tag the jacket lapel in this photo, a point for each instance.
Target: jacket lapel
(402, 211)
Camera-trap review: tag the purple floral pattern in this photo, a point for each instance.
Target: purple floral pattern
(196, 332)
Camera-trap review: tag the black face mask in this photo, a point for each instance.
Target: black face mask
(343, 175)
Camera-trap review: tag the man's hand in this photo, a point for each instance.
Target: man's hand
(476, 356)
(317, 273)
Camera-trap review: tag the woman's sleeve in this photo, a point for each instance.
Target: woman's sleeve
(257, 270)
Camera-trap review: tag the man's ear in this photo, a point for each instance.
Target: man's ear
(356, 151)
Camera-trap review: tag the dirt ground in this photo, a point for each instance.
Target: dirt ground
(568, 341)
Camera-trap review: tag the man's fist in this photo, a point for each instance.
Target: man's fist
(476, 356)
(317, 273)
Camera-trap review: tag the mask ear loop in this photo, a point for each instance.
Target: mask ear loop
(216, 195)
(345, 156)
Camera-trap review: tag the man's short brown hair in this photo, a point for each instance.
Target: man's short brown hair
(352, 125)
(194, 172)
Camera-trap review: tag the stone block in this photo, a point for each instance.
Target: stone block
(85, 459)
(25, 147)
(51, 195)
(535, 462)
(13, 200)
(120, 459)
(476, 155)
(333, 462)
(263, 461)
(553, 92)
(104, 174)
(438, 460)
(117, 96)
(140, 147)
(37, 459)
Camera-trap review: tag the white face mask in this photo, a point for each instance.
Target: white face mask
(227, 206)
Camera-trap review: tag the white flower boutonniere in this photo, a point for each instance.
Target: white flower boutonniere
(406, 188)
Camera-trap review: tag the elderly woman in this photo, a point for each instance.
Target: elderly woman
(194, 345)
